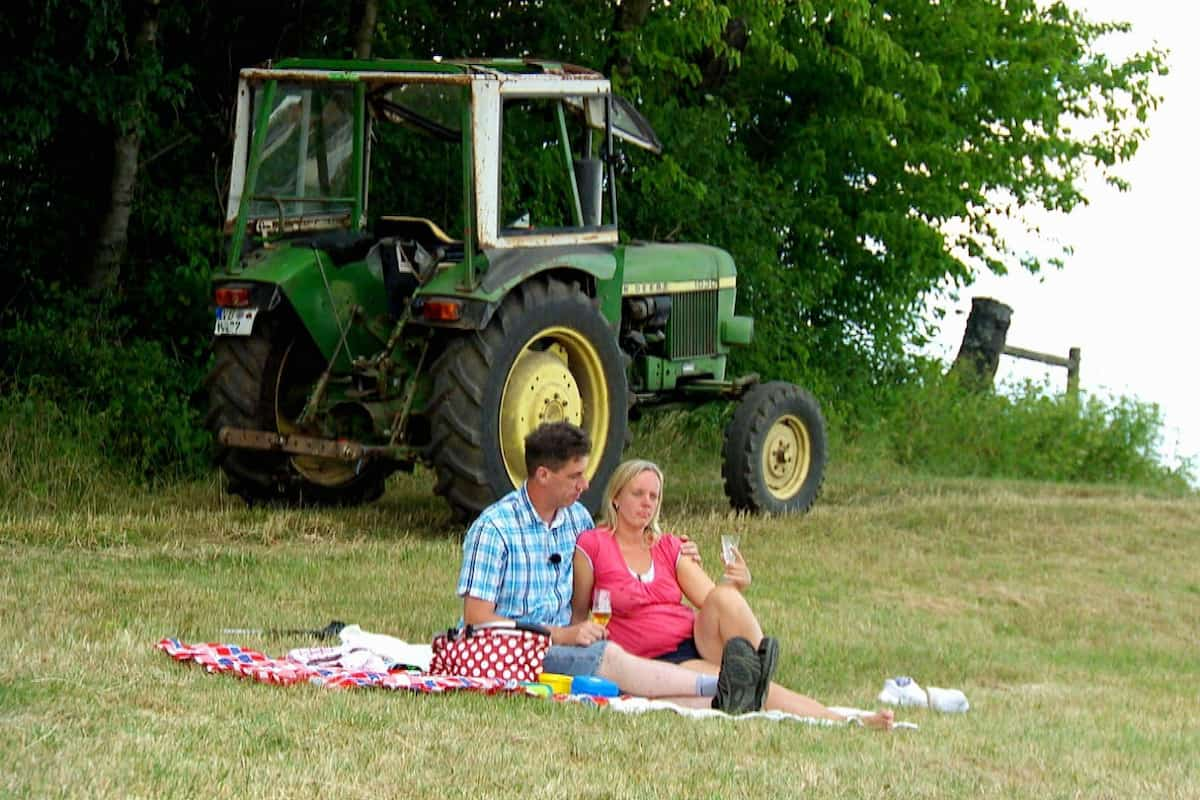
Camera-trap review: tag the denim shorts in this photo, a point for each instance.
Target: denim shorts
(565, 659)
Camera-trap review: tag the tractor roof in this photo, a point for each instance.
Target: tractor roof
(507, 66)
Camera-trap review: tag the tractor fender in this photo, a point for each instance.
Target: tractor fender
(324, 298)
(597, 268)
(507, 268)
(611, 271)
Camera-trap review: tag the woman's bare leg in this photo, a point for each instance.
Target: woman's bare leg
(786, 700)
(724, 615)
(783, 699)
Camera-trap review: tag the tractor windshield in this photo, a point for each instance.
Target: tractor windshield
(306, 162)
(306, 170)
(433, 109)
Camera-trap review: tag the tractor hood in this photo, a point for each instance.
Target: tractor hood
(672, 268)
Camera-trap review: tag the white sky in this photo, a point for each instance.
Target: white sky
(1127, 296)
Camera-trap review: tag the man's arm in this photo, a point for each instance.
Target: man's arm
(476, 611)
(485, 554)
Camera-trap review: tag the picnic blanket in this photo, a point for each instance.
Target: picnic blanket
(315, 665)
(338, 668)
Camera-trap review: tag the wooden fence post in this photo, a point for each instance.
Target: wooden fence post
(1073, 358)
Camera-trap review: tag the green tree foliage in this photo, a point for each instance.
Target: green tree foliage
(827, 144)
(831, 144)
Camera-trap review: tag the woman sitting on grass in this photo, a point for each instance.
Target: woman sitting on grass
(640, 567)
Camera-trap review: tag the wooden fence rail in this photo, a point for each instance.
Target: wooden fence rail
(1071, 362)
(984, 342)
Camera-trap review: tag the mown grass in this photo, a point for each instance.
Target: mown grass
(1067, 612)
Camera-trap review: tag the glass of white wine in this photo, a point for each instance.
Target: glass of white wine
(729, 543)
(601, 607)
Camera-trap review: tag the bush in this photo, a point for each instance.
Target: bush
(72, 370)
(938, 426)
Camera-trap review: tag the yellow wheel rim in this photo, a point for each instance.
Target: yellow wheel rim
(556, 377)
(786, 458)
(289, 403)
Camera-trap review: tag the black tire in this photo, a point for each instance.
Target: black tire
(476, 457)
(773, 459)
(261, 382)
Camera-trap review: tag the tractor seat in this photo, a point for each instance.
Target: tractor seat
(423, 231)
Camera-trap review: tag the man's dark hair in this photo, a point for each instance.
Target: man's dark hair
(554, 444)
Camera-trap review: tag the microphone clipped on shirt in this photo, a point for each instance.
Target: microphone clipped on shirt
(555, 559)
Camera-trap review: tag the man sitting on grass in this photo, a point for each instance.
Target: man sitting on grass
(517, 565)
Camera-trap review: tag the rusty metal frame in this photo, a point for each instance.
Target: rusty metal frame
(314, 446)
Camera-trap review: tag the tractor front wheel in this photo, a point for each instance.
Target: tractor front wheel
(774, 452)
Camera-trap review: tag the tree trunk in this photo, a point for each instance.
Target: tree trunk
(114, 229)
(113, 235)
(629, 15)
(716, 69)
(982, 343)
(366, 29)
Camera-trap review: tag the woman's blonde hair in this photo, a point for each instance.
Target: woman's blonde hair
(621, 477)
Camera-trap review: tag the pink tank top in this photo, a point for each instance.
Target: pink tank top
(648, 619)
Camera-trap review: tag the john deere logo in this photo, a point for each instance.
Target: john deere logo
(679, 287)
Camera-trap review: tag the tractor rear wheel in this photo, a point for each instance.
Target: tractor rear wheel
(774, 452)
(547, 355)
(262, 382)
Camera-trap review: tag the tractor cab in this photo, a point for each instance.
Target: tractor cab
(462, 141)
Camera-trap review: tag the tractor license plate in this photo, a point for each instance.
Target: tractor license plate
(235, 321)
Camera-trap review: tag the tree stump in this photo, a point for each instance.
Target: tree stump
(982, 343)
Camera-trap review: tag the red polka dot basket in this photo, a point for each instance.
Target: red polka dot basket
(503, 650)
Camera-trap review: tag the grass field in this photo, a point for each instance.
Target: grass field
(1069, 614)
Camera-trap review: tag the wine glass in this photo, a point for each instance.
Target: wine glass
(601, 607)
(729, 543)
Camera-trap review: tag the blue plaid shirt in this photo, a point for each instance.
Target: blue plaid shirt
(508, 559)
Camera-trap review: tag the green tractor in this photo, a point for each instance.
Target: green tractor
(351, 343)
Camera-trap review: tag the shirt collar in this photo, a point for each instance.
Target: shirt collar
(560, 515)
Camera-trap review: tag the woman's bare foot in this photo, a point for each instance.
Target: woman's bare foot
(881, 720)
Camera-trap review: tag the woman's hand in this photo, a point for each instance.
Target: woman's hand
(736, 572)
